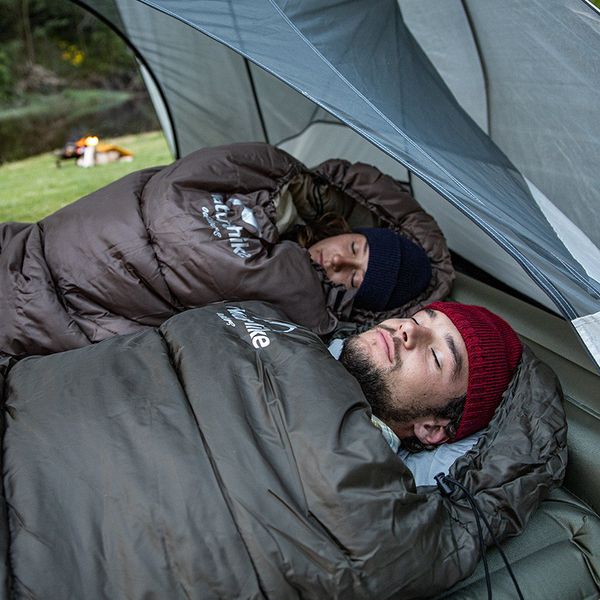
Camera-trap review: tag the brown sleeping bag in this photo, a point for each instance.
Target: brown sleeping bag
(160, 241)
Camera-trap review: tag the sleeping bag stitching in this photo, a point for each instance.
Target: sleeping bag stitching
(13, 514)
(213, 465)
(57, 290)
(151, 243)
(158, 520)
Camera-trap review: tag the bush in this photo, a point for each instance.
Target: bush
(66, 41)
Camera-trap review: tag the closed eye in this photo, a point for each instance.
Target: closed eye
(353, 248)
(437, 362)
(417, 322)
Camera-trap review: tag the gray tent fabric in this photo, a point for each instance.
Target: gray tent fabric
(360, 63)
(558, 103)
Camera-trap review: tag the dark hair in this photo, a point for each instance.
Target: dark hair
(327, 225)
(453, 411)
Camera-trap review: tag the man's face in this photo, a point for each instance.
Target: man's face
(408, 368)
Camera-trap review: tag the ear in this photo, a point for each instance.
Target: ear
(430, 430)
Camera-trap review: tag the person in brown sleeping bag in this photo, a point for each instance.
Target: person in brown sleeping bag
(219, 224)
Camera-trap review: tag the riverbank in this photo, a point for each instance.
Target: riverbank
(32, 188)
(46, 121)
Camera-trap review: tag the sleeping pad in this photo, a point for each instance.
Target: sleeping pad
(228, 455)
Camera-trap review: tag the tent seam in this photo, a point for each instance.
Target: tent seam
(486, 80)
(174, 300)
(139, 56)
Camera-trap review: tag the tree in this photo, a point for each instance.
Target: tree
(66, 40)
(26, 30)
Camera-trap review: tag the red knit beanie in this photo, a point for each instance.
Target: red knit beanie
(493, 350)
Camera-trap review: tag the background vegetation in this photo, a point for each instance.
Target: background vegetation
(64, 74)
(67, 42)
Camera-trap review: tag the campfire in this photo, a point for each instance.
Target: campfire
(88, 151)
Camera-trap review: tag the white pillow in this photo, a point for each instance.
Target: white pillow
(427, 464)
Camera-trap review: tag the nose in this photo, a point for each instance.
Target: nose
(340, 262)
(411, 334)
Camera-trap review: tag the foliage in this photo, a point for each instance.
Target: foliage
(32, 188)
(52, 53)
(66, 40)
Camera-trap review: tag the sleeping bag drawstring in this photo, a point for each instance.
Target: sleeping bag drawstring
(446, 484)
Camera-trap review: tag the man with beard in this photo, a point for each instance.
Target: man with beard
(437, 376)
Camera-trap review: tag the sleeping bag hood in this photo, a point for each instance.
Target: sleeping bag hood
(228, 455)
(203, 229)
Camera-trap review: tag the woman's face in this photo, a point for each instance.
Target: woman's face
(344, 257)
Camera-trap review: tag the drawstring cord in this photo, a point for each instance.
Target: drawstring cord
(446, 485)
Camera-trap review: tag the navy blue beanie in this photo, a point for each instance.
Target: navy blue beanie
(397, 272)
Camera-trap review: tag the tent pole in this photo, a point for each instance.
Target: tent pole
(141, 58)
(256, 101)
(482, 64)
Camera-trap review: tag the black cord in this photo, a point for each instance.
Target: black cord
(446, 490)
(494, 539)
(488, 580)
(445, 482)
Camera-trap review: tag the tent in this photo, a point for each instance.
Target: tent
(487, 110)
(487, 105)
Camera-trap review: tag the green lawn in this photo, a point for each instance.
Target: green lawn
(32, 188)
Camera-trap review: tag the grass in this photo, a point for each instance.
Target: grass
(32, 188)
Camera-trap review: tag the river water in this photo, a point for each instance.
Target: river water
(20, 138)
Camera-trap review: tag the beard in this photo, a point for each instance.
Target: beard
(384, 401)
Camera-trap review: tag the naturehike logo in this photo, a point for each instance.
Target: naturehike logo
(257, 327)
(221, 224)
(247, 215)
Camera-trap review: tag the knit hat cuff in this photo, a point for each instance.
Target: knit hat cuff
(493, 351)
(385, 257)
